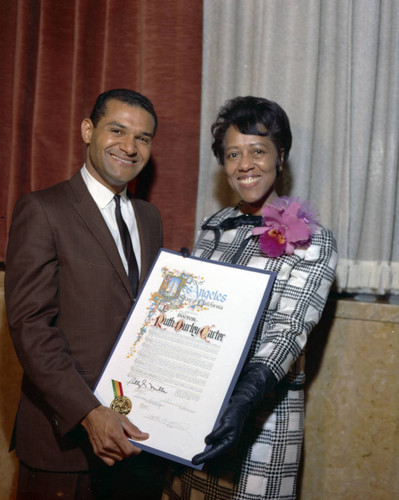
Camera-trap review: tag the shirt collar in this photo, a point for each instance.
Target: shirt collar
(101, 194)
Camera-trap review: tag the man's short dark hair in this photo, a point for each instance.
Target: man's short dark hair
(252, 116)
(124, 95)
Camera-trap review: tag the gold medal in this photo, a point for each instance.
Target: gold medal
(121, 404)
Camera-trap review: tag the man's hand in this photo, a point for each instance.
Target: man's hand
(108, 432)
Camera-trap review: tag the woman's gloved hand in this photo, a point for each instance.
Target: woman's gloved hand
(255, 381)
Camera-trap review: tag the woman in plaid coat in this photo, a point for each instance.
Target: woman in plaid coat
(255, 450)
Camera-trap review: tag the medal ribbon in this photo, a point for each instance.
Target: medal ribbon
(117, 387)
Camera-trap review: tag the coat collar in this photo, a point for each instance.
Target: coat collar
(87, 209)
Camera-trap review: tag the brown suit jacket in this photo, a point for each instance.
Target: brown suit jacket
(67, 297)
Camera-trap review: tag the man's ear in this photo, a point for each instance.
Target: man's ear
(86, 130)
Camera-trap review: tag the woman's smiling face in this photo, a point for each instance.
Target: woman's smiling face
(251, 167)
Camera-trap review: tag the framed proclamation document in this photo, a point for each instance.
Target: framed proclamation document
(181, 350)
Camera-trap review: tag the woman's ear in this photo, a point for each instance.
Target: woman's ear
(280, 161)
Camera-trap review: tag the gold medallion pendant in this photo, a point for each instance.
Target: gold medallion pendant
(121, 404)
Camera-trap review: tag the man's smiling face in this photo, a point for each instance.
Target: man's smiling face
(119, 146)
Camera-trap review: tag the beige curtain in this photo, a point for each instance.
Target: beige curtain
(334, 67)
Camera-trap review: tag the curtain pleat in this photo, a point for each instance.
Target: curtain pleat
(334, 68)
(58, 56)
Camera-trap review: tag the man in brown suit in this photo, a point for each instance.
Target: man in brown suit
(67, 295)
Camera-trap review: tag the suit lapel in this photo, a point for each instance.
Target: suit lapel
(87, 209)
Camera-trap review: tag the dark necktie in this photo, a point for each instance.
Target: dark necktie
(241, 220)
(127, 246)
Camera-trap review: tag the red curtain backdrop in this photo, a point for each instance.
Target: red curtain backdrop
(58, 56)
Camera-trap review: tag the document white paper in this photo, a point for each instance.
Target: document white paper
(182, 348)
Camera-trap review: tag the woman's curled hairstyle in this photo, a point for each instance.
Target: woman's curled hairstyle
(252, 116)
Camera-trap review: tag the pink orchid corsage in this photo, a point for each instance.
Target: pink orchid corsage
(288, 223)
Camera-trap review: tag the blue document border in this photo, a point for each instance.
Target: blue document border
(242, 359)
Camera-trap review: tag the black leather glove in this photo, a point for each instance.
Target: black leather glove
(255, 381)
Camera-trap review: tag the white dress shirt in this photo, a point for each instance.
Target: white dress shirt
(104, 199)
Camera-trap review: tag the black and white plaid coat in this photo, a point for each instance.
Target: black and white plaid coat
(266, 461)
